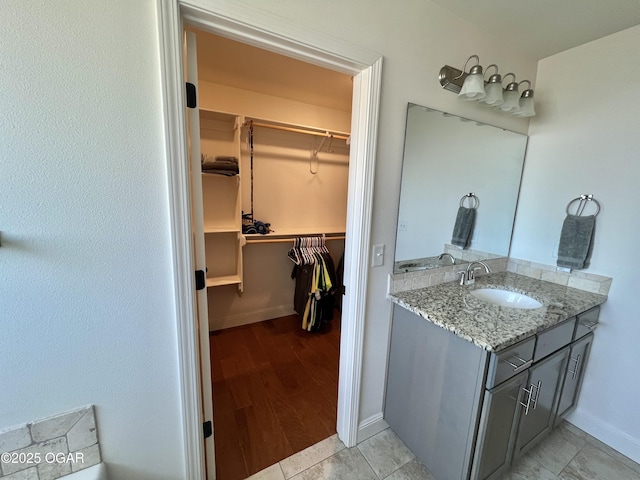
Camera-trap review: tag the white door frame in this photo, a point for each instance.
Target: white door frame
(250, 27)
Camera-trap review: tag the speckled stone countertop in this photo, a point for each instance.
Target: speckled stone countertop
(490, 326)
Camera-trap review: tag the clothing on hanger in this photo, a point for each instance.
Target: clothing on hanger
(316, 283)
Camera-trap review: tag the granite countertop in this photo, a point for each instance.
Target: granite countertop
(490, 326)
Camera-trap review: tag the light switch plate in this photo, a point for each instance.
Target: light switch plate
(377, 256)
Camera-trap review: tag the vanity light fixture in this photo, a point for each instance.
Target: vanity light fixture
(493, 92)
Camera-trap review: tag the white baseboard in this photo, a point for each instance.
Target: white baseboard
(370, 426)
(620, 441)
(250, 317)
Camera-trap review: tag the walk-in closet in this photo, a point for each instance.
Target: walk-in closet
(274, 141)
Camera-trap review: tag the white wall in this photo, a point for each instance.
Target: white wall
(411, 37)
(86, 278)
(585, 140)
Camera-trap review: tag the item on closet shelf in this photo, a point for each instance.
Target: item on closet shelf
(220, 165)
(576, 237)
(463, 228)
(314, 272)
(250, 226)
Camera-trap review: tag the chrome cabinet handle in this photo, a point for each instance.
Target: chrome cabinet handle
(523, 366)
(528, 404)
(591, 325)
(538, 388)
(574, 372)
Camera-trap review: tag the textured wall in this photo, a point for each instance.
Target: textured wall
(585, 140)
(86, 279)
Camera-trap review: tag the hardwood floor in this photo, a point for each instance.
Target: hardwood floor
(275, 392)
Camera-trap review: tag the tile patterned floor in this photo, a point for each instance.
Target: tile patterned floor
(567, 454)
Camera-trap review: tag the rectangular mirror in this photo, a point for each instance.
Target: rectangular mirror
(446, 158)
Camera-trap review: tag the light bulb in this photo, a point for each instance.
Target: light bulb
(493, 95)
(511, 98)
(473, 86)
(526, 108)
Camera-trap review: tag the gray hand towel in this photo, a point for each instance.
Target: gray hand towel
(576, 241)
(463, 229)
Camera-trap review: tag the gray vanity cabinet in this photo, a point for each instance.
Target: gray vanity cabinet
(574, 375)
(540, 400)
(466, 412)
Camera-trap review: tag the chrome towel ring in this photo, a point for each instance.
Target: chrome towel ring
(474, 201)
(582, 202)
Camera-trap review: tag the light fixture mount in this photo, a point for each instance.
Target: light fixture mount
(451, 78)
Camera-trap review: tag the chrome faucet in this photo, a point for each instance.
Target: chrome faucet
(469, 277)
(442, 255)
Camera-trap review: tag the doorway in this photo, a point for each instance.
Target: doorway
(290, 40)
(274, 137)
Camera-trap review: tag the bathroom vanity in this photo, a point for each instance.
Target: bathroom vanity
(472, 385)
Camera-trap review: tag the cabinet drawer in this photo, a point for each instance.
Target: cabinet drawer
(554, 338)
(587, 322)
(507, 363)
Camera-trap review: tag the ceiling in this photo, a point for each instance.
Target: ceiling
(540, 28)
(227, 62)
(545, 27)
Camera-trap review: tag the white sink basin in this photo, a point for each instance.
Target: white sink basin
(505, 298)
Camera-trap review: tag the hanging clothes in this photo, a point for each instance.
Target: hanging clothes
(316, 283)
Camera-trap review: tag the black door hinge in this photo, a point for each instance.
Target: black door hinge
(191, 95)
(200, 280)
(207, 429)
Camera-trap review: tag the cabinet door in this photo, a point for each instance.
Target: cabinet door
(537, 418)
(498, 422)
(574, 375)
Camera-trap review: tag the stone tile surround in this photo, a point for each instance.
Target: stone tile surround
(403, 282)
(51, 448)
(589, 282)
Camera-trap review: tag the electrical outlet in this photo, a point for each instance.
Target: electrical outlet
(403, 225)
(377, 256)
